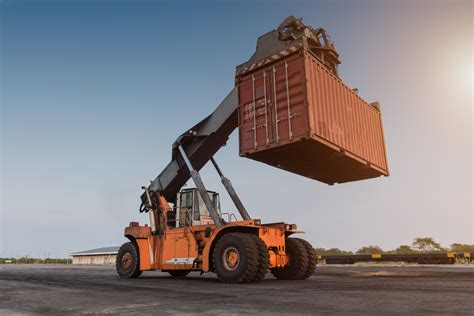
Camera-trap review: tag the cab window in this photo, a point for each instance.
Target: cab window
(201, 209)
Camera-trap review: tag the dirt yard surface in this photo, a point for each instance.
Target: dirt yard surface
(61, 289)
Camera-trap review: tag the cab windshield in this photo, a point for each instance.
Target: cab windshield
(201, 209)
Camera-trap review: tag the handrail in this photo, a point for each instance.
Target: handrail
(229, 216)
(188, 217)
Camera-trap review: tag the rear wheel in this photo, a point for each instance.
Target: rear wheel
(236, 258)
(128, 261)
(179, 273)
(298, 262)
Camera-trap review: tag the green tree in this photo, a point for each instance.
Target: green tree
(461, 248)
(337, 251)
(332, 252)
(427, 244)
(403, 249)
(369, 250)
(4, 260)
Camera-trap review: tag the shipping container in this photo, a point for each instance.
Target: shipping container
(296, 115)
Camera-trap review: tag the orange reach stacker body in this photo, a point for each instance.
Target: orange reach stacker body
(239, 251)
(280, 124)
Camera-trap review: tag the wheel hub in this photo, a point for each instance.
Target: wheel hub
(231, 258)
(127, 260)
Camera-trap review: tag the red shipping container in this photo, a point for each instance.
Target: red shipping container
(296, 115)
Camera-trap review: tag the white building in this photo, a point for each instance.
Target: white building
(104, 255)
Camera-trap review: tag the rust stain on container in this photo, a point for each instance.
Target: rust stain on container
(296, 115)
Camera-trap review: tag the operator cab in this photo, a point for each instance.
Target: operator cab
(191, 210)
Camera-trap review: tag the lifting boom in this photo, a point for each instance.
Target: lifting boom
(192, 150)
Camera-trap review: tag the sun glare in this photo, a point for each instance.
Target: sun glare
(472, 76)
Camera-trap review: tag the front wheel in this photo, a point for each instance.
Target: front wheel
(236, 259)
(128, 261)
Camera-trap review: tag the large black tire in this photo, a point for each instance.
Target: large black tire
(262, 258)
(179, 273)
(312, 261)
(236, 258)
(128, 261)
(298, 262)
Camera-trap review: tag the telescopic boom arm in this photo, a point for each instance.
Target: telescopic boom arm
(193, 149)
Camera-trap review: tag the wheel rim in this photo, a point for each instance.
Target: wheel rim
(127, 260)
(230, 258)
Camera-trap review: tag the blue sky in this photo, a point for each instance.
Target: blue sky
(93, 93)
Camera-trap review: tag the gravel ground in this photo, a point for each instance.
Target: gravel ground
(65, 289)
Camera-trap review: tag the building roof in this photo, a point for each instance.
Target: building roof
(97, 251)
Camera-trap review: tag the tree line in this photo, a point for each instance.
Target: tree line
(419, 245)
(35, 260)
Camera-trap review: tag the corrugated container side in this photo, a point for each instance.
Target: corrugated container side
(296, 115)
(343, 117)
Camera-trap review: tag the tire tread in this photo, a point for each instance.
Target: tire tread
(298, 266)
(262, 258)
(252, 258)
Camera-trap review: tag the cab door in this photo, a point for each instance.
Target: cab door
(186, 208)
